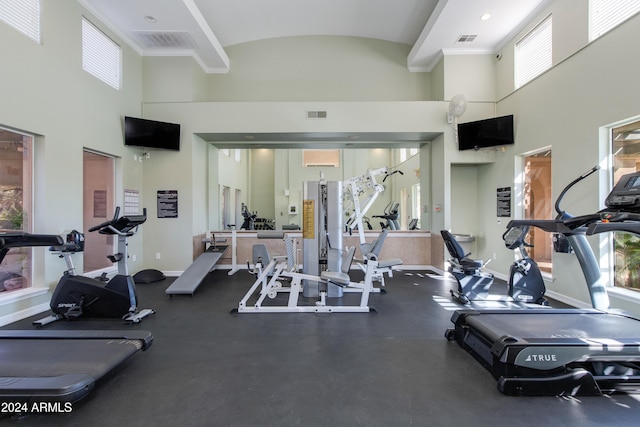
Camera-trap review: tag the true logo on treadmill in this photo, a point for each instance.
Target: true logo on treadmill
(541, 358)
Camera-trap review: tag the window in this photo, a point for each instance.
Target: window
(23, 15)
(605, 15)
(533, 54)
(101, 56)
(330, 158)
(415, 206)
(626, 159)
(406, 153)
(16, 183)
(403, 155)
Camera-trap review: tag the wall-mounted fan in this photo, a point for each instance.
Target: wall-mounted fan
(457, 107)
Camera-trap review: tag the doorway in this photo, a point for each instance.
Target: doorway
(538, 204)
(98, 207)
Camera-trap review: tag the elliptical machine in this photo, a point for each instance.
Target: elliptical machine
(249, 218)
(391, 216)
(83, 297)
(525, 285)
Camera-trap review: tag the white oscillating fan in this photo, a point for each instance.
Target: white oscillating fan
(457, 107)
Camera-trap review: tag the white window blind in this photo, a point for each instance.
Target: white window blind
(534, 53)
(604, 15)
(101, 56)
(23, 15)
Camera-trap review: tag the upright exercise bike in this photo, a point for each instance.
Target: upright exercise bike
(82, 297)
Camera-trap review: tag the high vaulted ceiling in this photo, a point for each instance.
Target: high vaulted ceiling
(204, 28)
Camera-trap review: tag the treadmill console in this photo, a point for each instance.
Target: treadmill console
(626, 194)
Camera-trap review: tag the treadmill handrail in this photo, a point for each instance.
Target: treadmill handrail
(548, 225)
(22, 239)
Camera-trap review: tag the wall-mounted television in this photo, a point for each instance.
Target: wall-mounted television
(486, 133)
(151, 134)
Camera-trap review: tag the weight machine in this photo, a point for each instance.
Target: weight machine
(326, 264)
(355, 188)
(278, 275)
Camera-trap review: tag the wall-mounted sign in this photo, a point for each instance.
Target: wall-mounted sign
(504, 201)
(167, 203)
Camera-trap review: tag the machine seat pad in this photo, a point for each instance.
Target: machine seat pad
(389, 263)
(471, 263)
(337, 277)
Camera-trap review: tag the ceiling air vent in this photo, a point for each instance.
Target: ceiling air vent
(466, 38)
(165, 39)
(316, 114)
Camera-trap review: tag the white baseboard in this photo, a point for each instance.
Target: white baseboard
(23, 314)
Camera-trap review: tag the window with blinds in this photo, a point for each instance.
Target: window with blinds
(101, 56)
(604, 15)
(534, 53)
(23, 15)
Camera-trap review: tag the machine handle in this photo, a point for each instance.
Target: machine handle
(561, 213)
(107, 223)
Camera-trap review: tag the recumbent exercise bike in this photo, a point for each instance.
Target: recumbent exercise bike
(526, 284)
(84, 297)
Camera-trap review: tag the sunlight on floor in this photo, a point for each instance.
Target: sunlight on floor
(446, 303)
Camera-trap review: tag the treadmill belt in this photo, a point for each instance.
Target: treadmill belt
(550, 326)
(61, 365)
(28, 357)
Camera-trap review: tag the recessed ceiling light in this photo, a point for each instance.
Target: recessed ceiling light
(150, 19)
(485, 17)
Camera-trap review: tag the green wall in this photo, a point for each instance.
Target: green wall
(365, 87)
(45, 92)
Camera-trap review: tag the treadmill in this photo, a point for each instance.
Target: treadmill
(58, 365)
(572, 352)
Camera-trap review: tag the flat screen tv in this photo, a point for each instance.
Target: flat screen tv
(151, 134)
(486, 133)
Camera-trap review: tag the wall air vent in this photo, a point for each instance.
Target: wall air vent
(165, 39)
(466, 38)
(316, 114)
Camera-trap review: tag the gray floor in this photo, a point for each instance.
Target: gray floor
(208, 367)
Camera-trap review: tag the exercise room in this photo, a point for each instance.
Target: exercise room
(336, 213)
